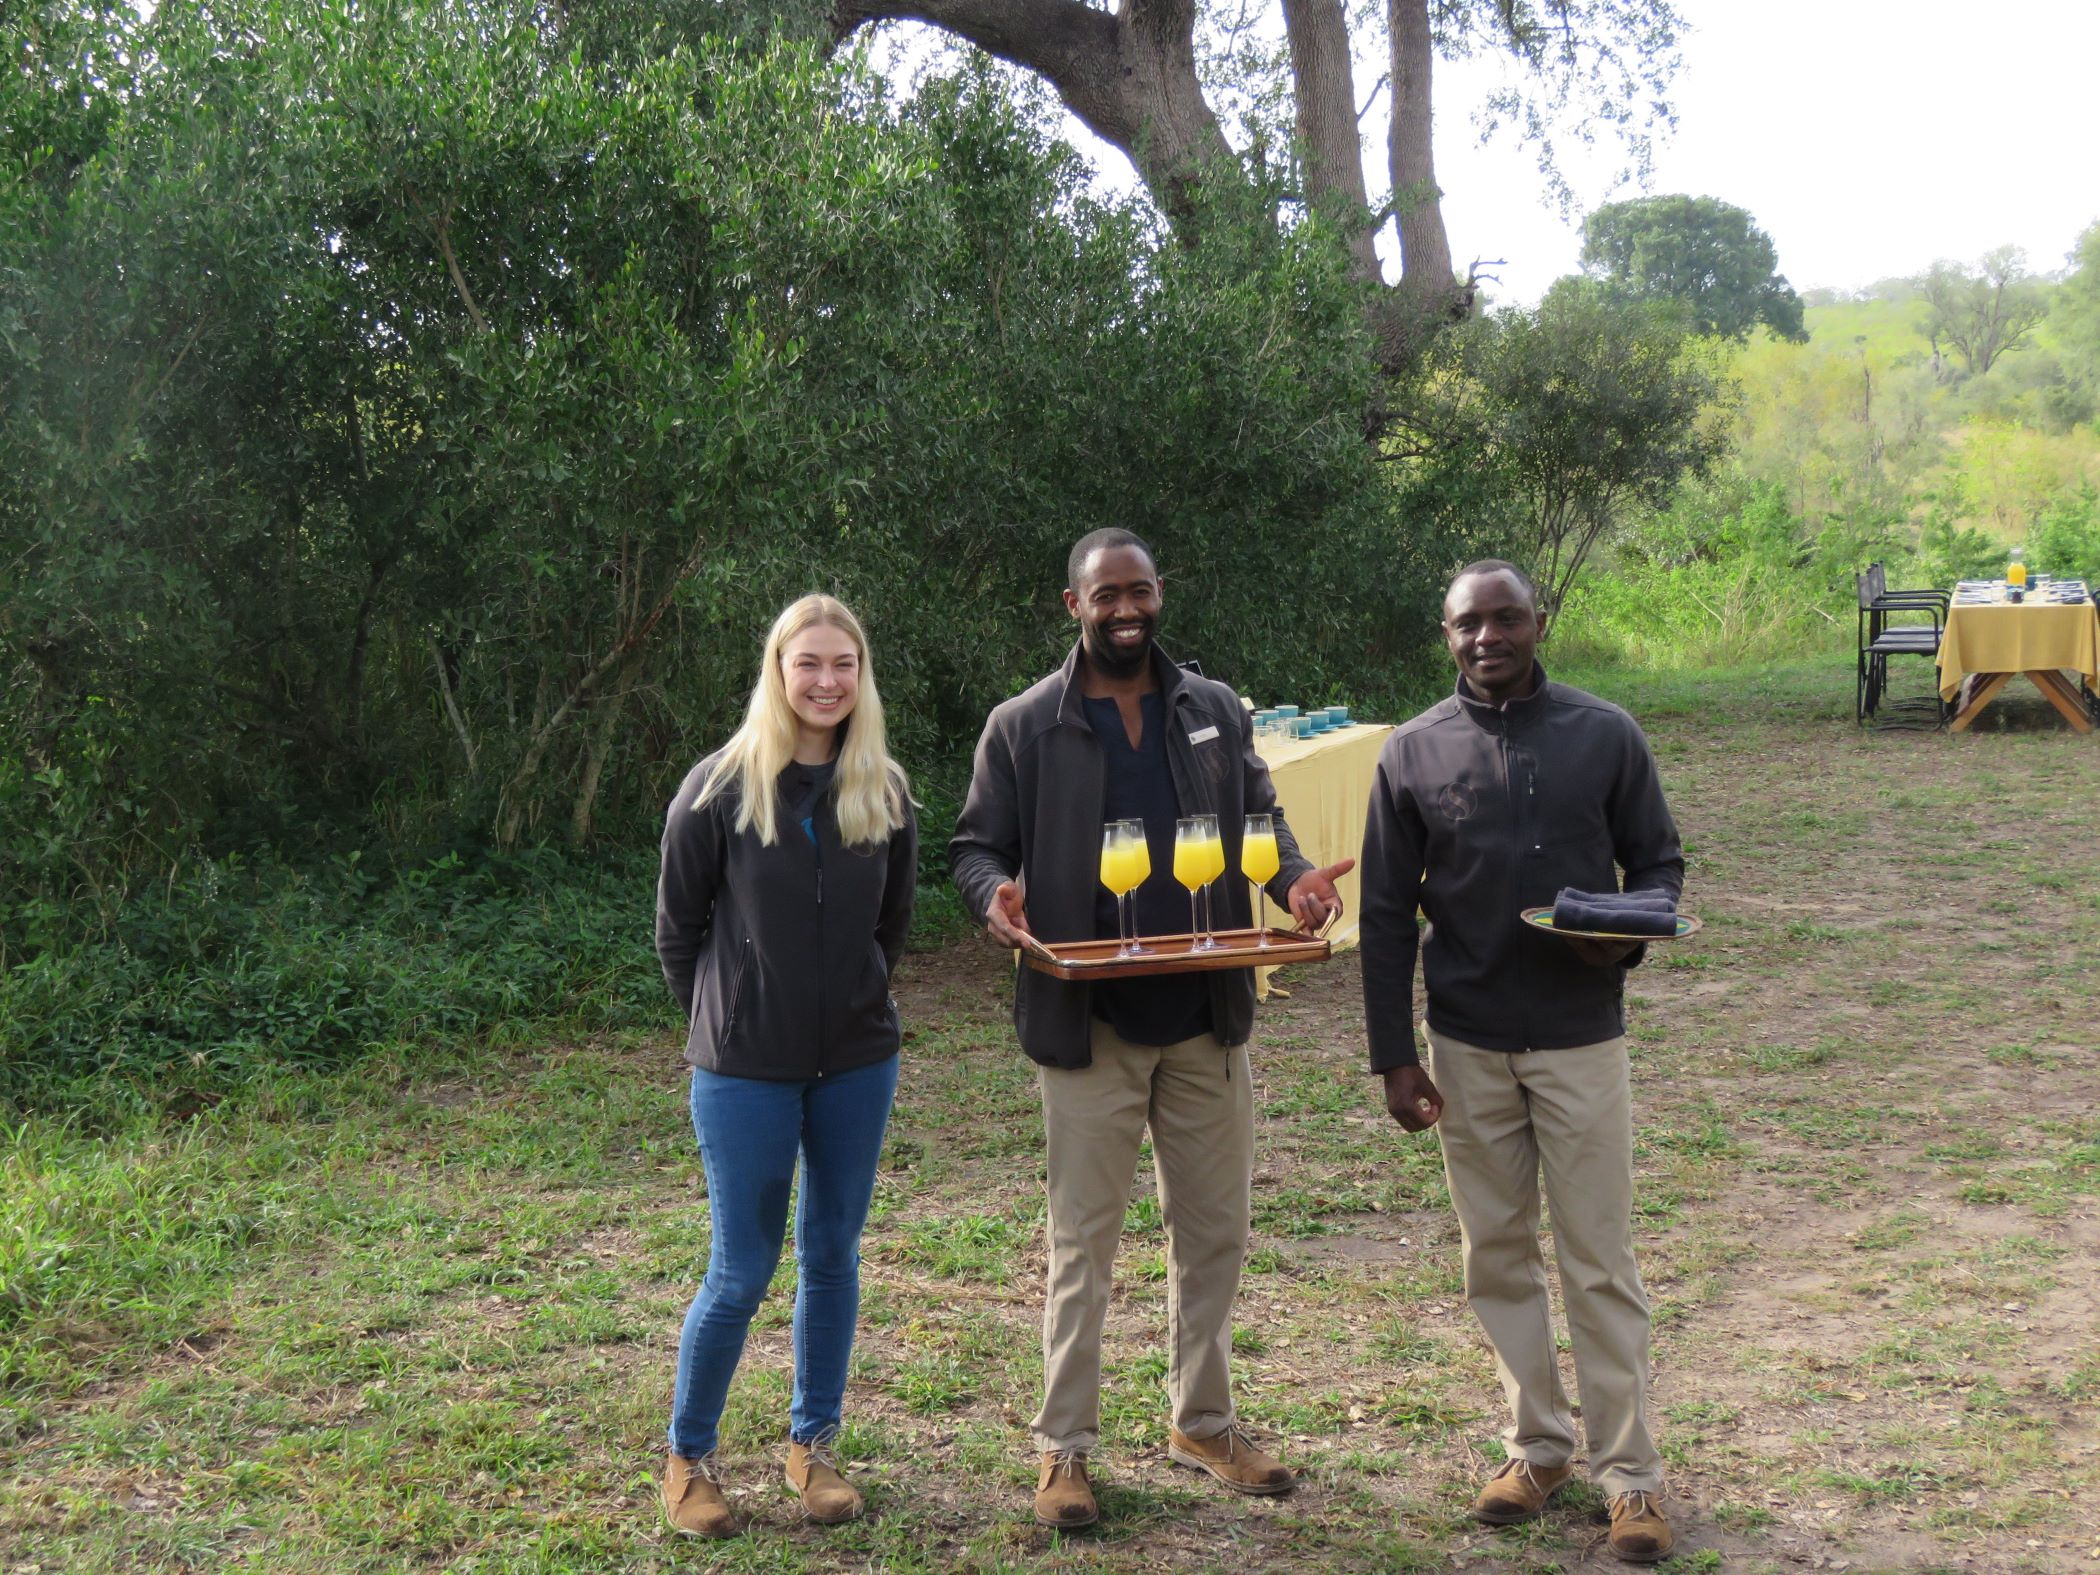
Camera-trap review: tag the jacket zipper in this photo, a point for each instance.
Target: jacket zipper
(820, 956)
(736, 990)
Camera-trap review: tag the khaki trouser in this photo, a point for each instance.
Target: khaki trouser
(1197, 1099)
(1570, 1111)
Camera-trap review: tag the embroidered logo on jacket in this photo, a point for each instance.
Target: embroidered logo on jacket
(1456, 802)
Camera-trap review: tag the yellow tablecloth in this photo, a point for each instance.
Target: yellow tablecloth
(1323, 785)
(2032, 636)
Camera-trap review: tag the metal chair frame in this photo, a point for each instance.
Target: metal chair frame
(1881, 636)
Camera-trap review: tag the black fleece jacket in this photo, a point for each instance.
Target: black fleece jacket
(1034, 814)
(1478, 812)
(781, 956)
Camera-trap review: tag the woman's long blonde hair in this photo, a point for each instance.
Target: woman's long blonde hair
(870, 789)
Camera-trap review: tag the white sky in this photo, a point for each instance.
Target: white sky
(1867, 139)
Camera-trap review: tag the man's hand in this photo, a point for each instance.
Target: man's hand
(1005, 921)
(1411, 1099)
(1602, 954)
(1314, 901)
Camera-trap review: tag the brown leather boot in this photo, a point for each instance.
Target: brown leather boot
(692, 1497)
(1518, 1492)
(1639, 1534)
(813, 1471)
(1064, 1498)
(1231, 1457)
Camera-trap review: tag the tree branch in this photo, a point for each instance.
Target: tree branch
(459, 280)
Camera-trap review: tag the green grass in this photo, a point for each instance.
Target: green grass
(418, 1313)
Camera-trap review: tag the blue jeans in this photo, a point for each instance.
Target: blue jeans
(750, 1133)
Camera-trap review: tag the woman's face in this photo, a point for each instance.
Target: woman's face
(822, 668)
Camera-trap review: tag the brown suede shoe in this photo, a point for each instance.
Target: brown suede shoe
(692, 1497)
(1639, 1534)
(813, 1471)
(1064, 1498)
(1518, 1491)
(1231, 1457)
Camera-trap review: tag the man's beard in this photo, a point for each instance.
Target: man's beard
(1115, 661)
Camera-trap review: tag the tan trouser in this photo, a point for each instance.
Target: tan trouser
(1569, 1111)
(1196, 1098)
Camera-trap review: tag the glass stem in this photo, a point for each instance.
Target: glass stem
(1195, 929)
(1261, 895)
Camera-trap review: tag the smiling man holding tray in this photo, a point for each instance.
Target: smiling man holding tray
(1513, 794)
(1121, 733)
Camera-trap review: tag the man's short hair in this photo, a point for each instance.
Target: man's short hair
(1495, 566)
(1100, 541)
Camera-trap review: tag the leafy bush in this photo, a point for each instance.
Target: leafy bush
(2065, 539)
(238, 967)
(1721, 577)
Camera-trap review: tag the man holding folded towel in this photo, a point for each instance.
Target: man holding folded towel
(1514, 793)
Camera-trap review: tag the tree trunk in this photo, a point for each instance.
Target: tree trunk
(1129, 75)
(594, 763)
(447, 680)
(612, 672)
(1323, 85)
(1425, 253)
(360, 640)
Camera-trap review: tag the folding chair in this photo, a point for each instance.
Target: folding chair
(1881, 636)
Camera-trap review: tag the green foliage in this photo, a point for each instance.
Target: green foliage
(1949, 551)
(1725, 575)
(1705, 254)
(237, 967)
(430, 466)
(1557, 423)
(414, 415)
(1984, 311)
(2065, 540)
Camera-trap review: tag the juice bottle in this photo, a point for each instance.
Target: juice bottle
(2016, 571)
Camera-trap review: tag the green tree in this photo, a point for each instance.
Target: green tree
(1134, 73)
(1555, 422)
(1707, 254)
(2075, 314)
(1984, 311)
(422, 468)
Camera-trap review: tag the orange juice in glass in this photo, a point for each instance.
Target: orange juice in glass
(1140, 857)
(1259, 862)
(1120, 873)
(1192, 855)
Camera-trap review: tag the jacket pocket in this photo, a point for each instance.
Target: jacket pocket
(872, 1003)
(736, 994)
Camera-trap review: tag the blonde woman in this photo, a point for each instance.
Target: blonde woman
(788, 865)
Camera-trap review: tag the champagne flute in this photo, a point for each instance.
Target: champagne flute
(1259, 863)
(1140, 857)
(1192, 869)
(1118, 873)
(1213, 866)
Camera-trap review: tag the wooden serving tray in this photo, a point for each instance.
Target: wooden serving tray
(1171, 954)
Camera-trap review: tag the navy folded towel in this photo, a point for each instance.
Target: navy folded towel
(1616, 912)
